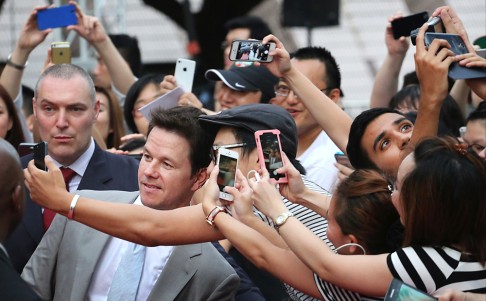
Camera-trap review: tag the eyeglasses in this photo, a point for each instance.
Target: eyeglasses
(215, 149)
(284, 90)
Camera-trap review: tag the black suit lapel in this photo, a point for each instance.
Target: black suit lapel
(97, 173)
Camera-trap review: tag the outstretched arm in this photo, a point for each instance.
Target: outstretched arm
(386, 80)
(30, 37)
(91, 29)
(326, 112)
(138, 224)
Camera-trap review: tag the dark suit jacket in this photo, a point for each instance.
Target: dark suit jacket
(105, 171)
(12, 287)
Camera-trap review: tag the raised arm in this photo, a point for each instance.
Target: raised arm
(386, 80)
(138, 224)
(328, 114)
(91, 29)
(30, 37)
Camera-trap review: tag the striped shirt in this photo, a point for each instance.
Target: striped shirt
(433, 270)
(318, 225)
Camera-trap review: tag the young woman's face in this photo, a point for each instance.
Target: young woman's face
(407, 165)
(6, 122)
(103, 121)
(148, 94)
(475, 136)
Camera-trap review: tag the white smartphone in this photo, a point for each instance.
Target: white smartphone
(251, 50)
(184, 74)
(228, 163)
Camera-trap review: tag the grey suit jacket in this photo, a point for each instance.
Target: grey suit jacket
(63, 264)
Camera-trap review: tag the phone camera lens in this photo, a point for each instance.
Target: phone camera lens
(184, 69)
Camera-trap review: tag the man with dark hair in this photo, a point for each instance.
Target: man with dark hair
(12, 206)
(173, 167)
(316, 150)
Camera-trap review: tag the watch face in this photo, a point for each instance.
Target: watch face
(280, 219)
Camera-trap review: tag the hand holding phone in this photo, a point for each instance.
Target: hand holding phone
(251, 50)
(184, 74)
(228, 163)
(270, 153)
(61, 16)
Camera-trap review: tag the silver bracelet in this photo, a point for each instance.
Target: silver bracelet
(16, 66)
(72, 206)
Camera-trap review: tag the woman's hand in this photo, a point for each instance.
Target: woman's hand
(242, 205)
(265, 196)
(280, 64)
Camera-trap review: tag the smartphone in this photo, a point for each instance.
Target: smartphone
(458, 46)
(402, 27)
(40, 151)
(61, 53)
(342, 159)
(61, 16)
(228, 163)
(184, 73)
(399, 291)
(481, 52)
(270, 153)
(435, 25)
(251, 50)
(25, 148)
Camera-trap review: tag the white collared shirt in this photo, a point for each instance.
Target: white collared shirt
(155, 261)
(79, 166)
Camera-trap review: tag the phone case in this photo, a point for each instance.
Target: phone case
(458, 46)
(184, 74)
(270, 154)
(251, 50)
(61, 53)
(228, 164)
(61, 16)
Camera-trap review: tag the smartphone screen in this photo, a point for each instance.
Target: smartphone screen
(399, 291)
(227, 162)
(61, 16)
(402, 27)
(40, 151)
(270, 153)
(251, 50)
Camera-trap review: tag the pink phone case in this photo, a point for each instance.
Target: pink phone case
(270, 154)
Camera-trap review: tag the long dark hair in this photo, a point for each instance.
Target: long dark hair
(15, 135)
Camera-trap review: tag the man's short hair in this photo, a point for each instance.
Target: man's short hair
(129, 50)
(358, 157)
(258, 28)
(183, 121)
(333, 73)
(66, 72)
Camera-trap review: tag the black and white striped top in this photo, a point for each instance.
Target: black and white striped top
(433, 270)
(318, 225)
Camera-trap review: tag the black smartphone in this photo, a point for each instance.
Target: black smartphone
(399, 291)
(402, 27)
(61, 16)
(25, 148)
(40, 152)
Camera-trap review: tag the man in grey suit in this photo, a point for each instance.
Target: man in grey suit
(75, 262)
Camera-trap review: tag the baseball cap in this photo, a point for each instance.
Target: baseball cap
(255, 117)
(249, 78)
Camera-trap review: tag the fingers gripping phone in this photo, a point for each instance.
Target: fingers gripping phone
(228, 163)
(184, 74)
(251, 50)
(39, 150)
(399, 291)
(270, 153)
(61, 53)
(61, 16)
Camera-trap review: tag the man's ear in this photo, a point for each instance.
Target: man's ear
(335, 95)
(18, 200)
(200, 178)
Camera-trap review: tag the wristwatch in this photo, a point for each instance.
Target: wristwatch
(282, 219)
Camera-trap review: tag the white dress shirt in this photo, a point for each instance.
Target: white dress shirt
(155, 260)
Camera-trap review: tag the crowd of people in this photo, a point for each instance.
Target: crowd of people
(130, 208)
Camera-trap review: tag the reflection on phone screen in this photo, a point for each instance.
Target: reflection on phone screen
(409, 293)
(252, 51)
(271, 154)
(227, 171)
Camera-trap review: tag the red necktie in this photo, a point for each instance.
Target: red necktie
(48, 216)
